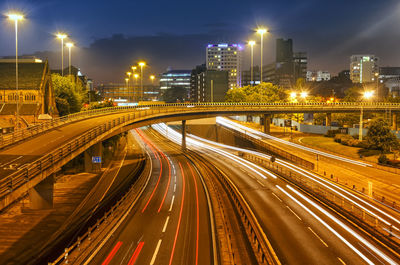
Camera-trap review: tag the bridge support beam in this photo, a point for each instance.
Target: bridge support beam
(328, 120)
(394, 121)
(41, 196)
(95, 150)
(183, 135)
(267, 123)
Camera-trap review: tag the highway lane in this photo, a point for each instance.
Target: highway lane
(314, 235)
(20, 155)
(344, 169)
(170, 224)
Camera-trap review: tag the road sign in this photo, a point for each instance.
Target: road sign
(96, 159)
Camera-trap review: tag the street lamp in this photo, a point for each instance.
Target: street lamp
(16, 17)
(377, 85)
(368, 94)
(129, 78)
(251, 43)
(62, 36)
(152, 77)
(303, 94)
(141, 64)
(261, 31)
(126, 83)
(136, 76)
(69, 46)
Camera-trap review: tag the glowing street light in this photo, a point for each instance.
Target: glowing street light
(141, 64)
(303, 94)
(368, 94)
(16, 17)
(293, 94)
(152, 77)
(129, 78)
(251, 43)
(69, 46)
(136, 76)
(261, 31)
(134, 68)
(62, 36)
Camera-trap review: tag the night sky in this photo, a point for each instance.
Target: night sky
(111, 35)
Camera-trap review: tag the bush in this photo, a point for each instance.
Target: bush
(382, 159)
(332, 133)
(368, 152)
(346, 139)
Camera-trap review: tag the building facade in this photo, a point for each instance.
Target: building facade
(175, 85)
(246, 76)
(363, 68)
(208, 85)
(226, 57)
(318, 76)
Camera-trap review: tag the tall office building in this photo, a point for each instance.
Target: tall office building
(363, 68)
(226, 57)
(208, 85)
(175, 85)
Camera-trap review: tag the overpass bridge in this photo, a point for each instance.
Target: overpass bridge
(30, 156)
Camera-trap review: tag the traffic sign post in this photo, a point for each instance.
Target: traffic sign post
(96, 159)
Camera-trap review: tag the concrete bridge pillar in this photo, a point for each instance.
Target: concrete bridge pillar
(183, 135)
(41, 196)
(328, 120)
(267, 123)
(394, 121)
(92, 156)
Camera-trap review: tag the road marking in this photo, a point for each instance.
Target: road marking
(174, 187)
(112, 253)
(259, 182)
(153, 259)
(165, 224)
(293, 212)
(126, 255)
(370, 253)
(172, 203)
(136, 253)
(277, 197)
(11, 161)
(341, 261)
(197, 214)
(320, 239)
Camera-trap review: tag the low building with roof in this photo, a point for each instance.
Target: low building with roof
(35, 91)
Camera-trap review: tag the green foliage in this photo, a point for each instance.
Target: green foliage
(346, 139)
(98, 105)
(380, 137)
(382, 159)
(352, 94)
(69, 95)
(332, 133)
(265, 92)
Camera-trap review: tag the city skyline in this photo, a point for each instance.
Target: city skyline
(329, 45)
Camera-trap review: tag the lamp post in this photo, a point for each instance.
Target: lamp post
(367, 95)
(261, 31)
(16, 17)
(62, 36)
(69, 46)
(251, 43)
(136, 76)
(129, 78)
(126, 84)
(377, 85)
(141, 64)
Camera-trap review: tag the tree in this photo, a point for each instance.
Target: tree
(380, 137)
(353, 94)
(264, 92)
(69, 95)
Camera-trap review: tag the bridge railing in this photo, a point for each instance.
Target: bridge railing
(25, 133)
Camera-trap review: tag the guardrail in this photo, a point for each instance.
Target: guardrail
(25, 133)
(107, 221)
(264, 252)
(274, 150)
(373, 224)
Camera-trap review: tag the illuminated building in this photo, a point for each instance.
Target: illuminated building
(363, 68)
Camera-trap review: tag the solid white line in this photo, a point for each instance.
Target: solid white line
(126, 254)
(317, 236)
(165, 224)
(293, 212)
(172, 203)
(153, 259)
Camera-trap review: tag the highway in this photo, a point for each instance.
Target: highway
(170, 224)
(302, 230)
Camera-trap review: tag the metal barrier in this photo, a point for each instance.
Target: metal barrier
(274, 150)
(25, 133)
(343, 204)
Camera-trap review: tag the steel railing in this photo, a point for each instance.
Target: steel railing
(25, 133)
